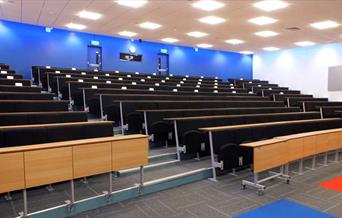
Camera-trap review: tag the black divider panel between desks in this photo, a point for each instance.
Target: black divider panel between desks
(12, 82)
(63, 85)
(32, 105)
(7, 72)
(25, 96)
(63, 78)
(10, 119)
(186, 128)
(225, 142)
(53, 133)
(42, 71)
(283, 97)
(313, 105)
(77, 91)
(15, 76)
(92, 95)
(250, 85)
(130, 108)
(259, 90)
(239, 82)
(75, 86)
(295, 101)
(155, 116)
(330, 111)
(8, 88)
(107, 100)
(272, 92)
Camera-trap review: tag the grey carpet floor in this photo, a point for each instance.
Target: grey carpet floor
(226, 199)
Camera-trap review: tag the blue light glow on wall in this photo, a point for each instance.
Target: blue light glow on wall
(23, 45)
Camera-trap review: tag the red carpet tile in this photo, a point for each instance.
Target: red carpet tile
(334, 184)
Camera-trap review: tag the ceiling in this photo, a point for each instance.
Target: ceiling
(179, 17)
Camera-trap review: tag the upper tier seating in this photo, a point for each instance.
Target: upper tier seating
(29, 115)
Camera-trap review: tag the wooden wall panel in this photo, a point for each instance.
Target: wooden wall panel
(48, 166)
(269, 156)
(129, 154)
(322, 143)
(295, 149)
(309, 146)
(92, 159)
(11, 172)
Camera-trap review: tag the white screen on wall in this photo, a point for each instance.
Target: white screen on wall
(335, 78)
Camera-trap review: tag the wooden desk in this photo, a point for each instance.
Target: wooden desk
(42, 164)
(280, 151)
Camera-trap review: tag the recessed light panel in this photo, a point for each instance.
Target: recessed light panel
(305, 43)
(89, 15)
(208, 5)
(204, 45)
(327, 24)
(212, 20)
(75, 26)
(266, 33)
(270, 5)
(132, 3)
(262, 20)
(149, 25)
(271, 48)
(170, 40)
(197, 34)
(127, 33)
(234, 41)
(246, 52)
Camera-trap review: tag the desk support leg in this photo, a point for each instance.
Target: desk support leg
(141, 184)
(212, 156)
(177, 140)
(337, 156)
(122, 120)
(110, 183)
(301, 165)
(25, 212)
(313, 167)
(72, 191)
(325, 159)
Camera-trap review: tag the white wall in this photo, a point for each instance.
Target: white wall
(304, 69)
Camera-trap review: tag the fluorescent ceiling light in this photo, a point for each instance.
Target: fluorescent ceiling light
(271, 48)
(170, 40)
(270, 5)
(325, 24)
(266, 33)
(204, 45)
(75, 26)
(132, 3)
(246, 52)
(212, 20)
(208, 5)
(127, 33)
(304, 43)
(89, 15)
(262, 20)
(234, 41)
(197, 34)
(149, 25)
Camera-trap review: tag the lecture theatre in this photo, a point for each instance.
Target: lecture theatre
(171, 108)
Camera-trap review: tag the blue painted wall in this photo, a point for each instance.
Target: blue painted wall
(23, 45)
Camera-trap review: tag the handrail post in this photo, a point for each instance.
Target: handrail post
(212, 157)
(177, 140)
